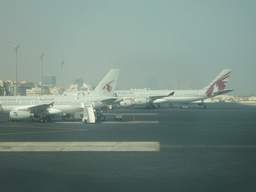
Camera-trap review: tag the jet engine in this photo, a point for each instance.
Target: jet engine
(141, 101)
(19, 115)
(127, 103)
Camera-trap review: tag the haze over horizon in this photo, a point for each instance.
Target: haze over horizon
(173, 42)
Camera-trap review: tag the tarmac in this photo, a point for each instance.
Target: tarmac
(163, 149)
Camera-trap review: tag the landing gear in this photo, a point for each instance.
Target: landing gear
(41, 120)
(99, 115)
(65, 117)
(202, 105)
(150, 106)
(44, 118)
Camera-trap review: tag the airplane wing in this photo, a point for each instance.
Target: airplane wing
(38, 108)
(119, 99)
(108, 101)
(160, 96)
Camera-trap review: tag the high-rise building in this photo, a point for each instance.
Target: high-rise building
(49, 80)
(79, 82)
(21, 88)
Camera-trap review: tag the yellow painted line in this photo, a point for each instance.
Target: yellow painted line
(78, 146)
(207, 146)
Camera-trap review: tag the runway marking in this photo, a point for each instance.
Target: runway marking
(28, 127)
(70, 122)
(66, 130)
(207, 146)
(78, 146)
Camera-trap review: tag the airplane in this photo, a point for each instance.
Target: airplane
(129, 98)
(183, 97)
(44, 107)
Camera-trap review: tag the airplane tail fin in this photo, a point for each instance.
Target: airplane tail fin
(108, 85)
(218, 84)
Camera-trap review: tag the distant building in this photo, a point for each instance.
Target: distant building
(21, 88)
(12, 89)
(36, 91)
(89, 87)
(1, 83)
(7, 84)
(79, 82)
(86, 87)
(72, 88)
(2, 91)
(55, 91)
(49, 80)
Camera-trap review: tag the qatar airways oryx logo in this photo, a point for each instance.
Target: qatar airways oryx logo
(108, 87)
(219, 85)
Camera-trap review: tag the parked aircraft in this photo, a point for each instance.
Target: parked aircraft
(183, 97)
(130, 98)
(44, 107)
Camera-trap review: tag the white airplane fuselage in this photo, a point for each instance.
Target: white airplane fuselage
(179, 96)
(43, 107)
(216, 87)
(61, 104)
(184, 96)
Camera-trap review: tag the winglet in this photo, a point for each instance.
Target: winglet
(171, 94)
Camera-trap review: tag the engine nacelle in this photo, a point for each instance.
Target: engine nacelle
(19, 115)
(127, 103)
(141, 101)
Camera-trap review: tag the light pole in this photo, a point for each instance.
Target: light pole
(41, 56)
(16, 50)
(62, 77)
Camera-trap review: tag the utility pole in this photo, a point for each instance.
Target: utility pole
(41, 56)
(16, 50)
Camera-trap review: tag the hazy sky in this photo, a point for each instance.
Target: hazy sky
(175, 42)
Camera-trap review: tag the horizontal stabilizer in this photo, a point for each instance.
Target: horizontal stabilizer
(222, 92)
